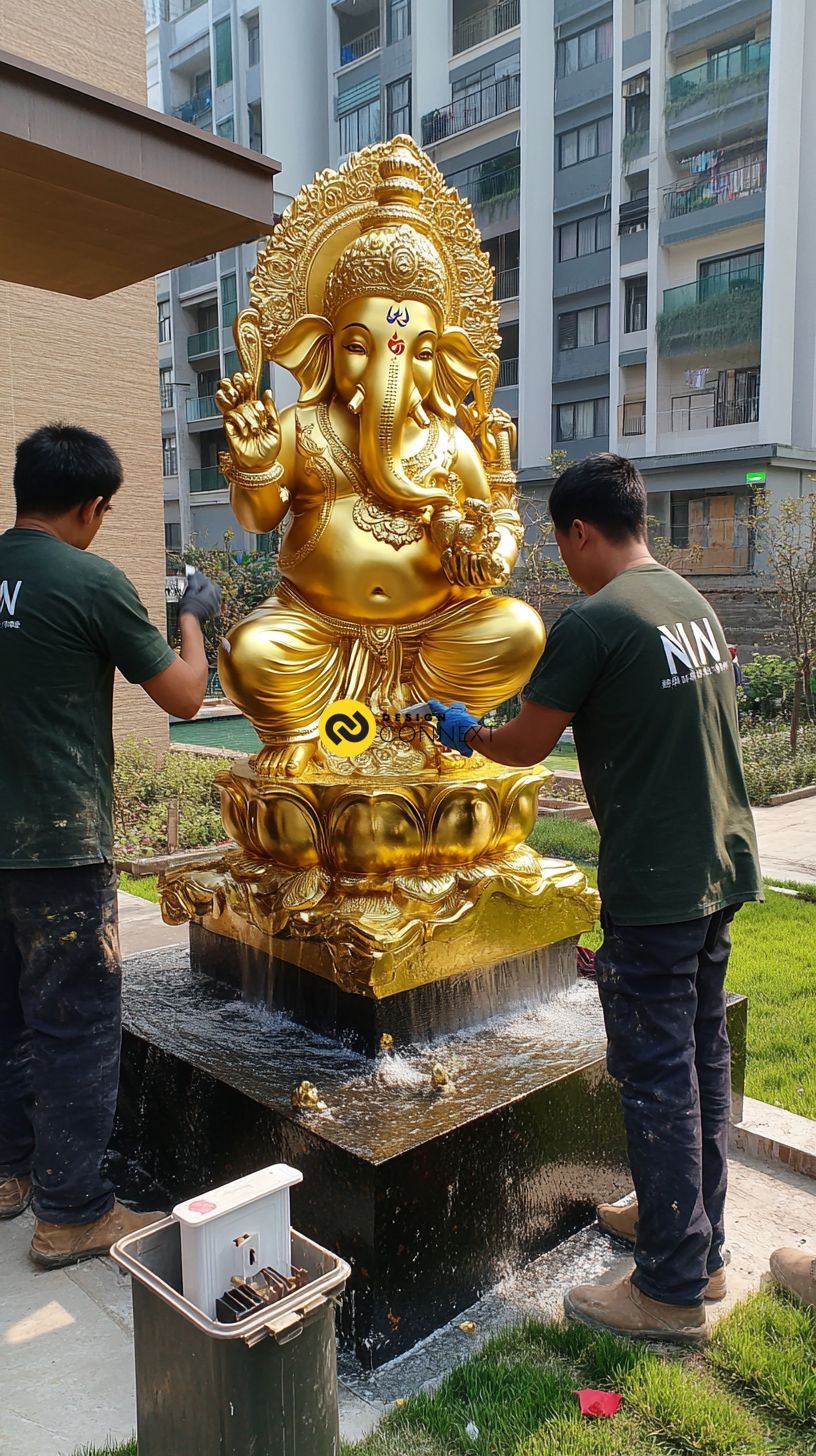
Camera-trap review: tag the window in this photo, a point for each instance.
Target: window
(588, 235)
(202, 86)
(207, 317)
(226, 128)
(222, 35)
(164, 320)
(585, 142)
(166, 388)
(637, 113)
(736, 270)
(583, 326)
(255, 126)
(172, 536)
(229, 299)
(361, 127)
(169, 455)
(253, 28)
(399, 107)
(680, 520)
(585, 49)
(636, 298)
(587, 419)
(399, 20)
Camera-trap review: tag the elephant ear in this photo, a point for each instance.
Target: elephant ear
(457, 369)
(306, 351)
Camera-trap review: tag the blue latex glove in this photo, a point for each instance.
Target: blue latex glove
(452, 724)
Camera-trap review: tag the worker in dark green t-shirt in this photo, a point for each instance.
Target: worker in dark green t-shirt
(640, 667)
(68, 619)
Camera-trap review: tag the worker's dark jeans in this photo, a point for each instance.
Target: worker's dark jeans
(662, 989)
(60, 1034)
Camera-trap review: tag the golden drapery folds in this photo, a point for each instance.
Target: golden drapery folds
(391, 483)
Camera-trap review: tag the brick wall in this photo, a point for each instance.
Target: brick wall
(91, 363)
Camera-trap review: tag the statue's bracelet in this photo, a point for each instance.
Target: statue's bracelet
(253, 480)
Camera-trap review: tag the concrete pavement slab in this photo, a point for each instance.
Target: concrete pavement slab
(787, 841)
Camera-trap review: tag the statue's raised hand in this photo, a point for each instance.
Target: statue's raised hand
(473, 557)
(252, 425)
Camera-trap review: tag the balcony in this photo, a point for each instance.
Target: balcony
(720, 101)
(694, 24)
(703, 411)
(492, 191)
(507, 283)
(198, 105)
(210, 478)
(485, 24)
(713, 314)
(199, 345)
(202, 407)
(362, 45)
(490, 101)
(632, 417)
(508, 373)
(719, 200)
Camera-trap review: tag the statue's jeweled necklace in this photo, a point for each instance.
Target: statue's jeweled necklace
(368, 513)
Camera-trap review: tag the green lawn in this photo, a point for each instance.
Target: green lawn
(753, 1390)
(144, 886)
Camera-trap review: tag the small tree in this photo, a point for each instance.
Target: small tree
(246, 579)
(540, 571)
(789, 534)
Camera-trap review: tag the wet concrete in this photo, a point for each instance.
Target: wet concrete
(431, 1196)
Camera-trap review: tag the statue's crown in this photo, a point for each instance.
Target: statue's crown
(393, 256)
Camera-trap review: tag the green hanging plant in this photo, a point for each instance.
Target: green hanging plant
(719, 322)
(719, 91)
(633, 145)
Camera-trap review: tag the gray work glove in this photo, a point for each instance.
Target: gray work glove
(202, 598)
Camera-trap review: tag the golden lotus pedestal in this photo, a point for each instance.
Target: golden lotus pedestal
(366, 899)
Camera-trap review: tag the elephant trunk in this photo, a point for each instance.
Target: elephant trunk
(389, 398)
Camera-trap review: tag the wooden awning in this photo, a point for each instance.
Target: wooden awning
(97, 192)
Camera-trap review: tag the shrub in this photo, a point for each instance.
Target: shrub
(772, 768)
(144, 783)
(768, 684)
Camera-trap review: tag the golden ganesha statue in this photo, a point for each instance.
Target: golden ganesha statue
(393, 472)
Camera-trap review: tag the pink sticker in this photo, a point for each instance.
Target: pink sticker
(201, 1205)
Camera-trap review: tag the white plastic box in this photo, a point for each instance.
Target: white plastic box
(238, 1229)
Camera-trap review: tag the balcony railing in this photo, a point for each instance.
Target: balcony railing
(210, 478)
(717, 312)
(197, 106)
(632, 417)
(507, 283)
(207, 342)
(202, 407)
(508, 373)
(485, 24)
(492, 100)
(362, 45)
(719, 75)
(706, 412)
(715, 189)
(488, 189)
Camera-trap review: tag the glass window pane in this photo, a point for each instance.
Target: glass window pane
(587, 142)
(226, 128)
(586, 327)
(603, 42)
(569, 241)
(222, 32)
(586, 236)
(567, 332)
(569, 148)
(604, 135)
(566, 422)
(586, 49)
(602, 324)
(585, 419)
(603, 231)
(602, 417)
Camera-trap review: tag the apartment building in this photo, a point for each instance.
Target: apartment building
(637, 169)
(253, 72)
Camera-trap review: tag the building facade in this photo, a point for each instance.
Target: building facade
(638, 170)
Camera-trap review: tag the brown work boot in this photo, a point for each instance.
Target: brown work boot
(15, 1195)
(622, 1309)
(620, 1220)
(56, 1244)
(795, 1270)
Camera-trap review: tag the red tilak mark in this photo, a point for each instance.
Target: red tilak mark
(396, 344)
(201, 1205)
(598, 1402)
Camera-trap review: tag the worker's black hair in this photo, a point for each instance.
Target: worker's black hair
(61, 466)
(605, 490)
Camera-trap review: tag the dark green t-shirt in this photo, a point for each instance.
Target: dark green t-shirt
(644, 667)
(67, 619)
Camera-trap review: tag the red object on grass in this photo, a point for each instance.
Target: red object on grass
(586, 961)
(598, 1402)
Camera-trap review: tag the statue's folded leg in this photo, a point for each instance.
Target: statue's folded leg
(480, 656)
(281, 666)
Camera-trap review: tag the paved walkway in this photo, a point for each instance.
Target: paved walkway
(787, 840)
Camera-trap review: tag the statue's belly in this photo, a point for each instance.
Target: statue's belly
(351, 574)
